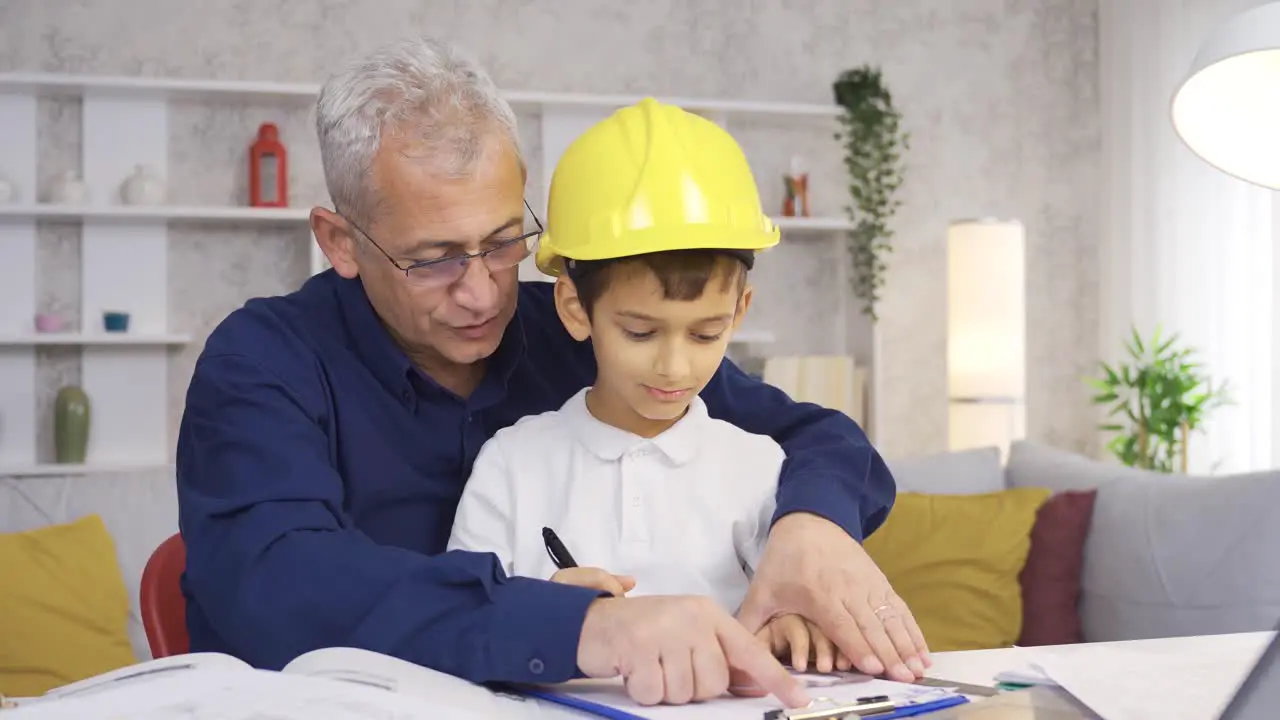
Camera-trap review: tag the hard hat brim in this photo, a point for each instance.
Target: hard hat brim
(645, 242)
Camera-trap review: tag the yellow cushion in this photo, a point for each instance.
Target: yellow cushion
(955, 560)
(64, 609)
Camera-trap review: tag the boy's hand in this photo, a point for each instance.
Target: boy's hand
(792, 637)
(596, 579)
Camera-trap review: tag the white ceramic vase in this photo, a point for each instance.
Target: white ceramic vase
(8, 191)
(143, 187)
(68, 189)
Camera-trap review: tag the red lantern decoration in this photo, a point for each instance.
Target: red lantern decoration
(268, 169)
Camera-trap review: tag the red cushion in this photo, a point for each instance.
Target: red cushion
(1051, 577)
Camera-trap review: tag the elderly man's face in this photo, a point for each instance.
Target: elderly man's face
(425, 215)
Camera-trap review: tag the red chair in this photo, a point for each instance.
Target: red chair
(164, 609)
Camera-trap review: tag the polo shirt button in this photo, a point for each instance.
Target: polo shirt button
(536, 667)
(406, 395)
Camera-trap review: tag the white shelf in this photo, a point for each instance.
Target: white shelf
(129, 213)
(54, 85)
(81, 339)
(748, 335)
(70, 85)
(54, 469)
(813, 224)
(214, 213)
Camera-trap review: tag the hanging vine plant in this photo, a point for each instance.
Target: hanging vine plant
(874, 145)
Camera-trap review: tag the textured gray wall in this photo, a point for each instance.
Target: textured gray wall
(1000, 97)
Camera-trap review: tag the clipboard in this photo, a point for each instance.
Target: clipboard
(839, 708)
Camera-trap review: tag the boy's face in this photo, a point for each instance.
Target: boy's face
(653, 354)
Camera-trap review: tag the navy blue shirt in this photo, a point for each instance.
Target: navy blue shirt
(319, 471)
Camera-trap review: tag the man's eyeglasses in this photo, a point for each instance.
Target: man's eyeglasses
(503, 254)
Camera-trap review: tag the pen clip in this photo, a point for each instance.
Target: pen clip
(834, 710)
(556, 550)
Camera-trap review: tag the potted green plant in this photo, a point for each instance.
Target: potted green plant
(1155, 400)
(874, 144)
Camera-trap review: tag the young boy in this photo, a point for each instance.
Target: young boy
(654, 222)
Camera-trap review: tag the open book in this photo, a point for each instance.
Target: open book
(333, 683)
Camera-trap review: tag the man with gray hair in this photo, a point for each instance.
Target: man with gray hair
(328, 434)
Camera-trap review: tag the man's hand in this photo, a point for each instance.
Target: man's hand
(596, 579)
(792, 637)
(812, 568)
(678, 649)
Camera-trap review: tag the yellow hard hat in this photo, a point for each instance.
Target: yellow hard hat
(648, 178)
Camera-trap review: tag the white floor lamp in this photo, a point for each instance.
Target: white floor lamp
(986, 333)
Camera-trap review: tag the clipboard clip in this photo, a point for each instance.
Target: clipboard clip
(828, 709)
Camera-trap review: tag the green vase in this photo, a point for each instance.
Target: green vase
(71, 414)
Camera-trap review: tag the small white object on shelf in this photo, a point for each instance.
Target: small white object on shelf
(752, 336)
(8, 190)
(813, 224)
(68, 189)
(143, 187)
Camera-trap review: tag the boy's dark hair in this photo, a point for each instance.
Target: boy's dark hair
(683, 274)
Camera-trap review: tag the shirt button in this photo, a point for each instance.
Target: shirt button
(536, 667)
(406, 395)
(635, 501)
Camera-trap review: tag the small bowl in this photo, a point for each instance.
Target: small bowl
(115, 321)
(48, 322)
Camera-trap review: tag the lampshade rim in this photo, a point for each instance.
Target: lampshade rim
(1178, 130)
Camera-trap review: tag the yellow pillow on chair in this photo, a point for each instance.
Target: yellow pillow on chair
(64, 609)
(955, 560)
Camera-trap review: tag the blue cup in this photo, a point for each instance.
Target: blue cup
(115, 321)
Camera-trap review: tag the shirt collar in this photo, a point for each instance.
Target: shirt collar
(388, 363)
(679, 443)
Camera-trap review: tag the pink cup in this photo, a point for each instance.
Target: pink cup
(48, 322)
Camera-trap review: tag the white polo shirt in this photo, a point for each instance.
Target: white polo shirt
(686, 512)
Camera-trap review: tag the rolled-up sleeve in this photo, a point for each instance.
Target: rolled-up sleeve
(278, 567)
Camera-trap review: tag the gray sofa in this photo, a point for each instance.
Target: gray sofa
(140, 510)
(1166, 555)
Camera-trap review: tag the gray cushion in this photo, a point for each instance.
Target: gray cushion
(1033, 465)
(1168, 555)
(965, 472)
(140, 510)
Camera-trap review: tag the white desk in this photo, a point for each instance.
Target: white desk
(979, 667)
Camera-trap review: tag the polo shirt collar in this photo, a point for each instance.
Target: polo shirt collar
(389, 364)
(679, 443)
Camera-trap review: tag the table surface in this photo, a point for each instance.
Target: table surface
(979, 667)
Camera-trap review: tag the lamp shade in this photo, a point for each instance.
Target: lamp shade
(986, 310)
(1227, 110)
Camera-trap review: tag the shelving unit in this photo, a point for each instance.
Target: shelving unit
(124, 249)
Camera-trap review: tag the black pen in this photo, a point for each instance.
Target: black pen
(556, 549)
